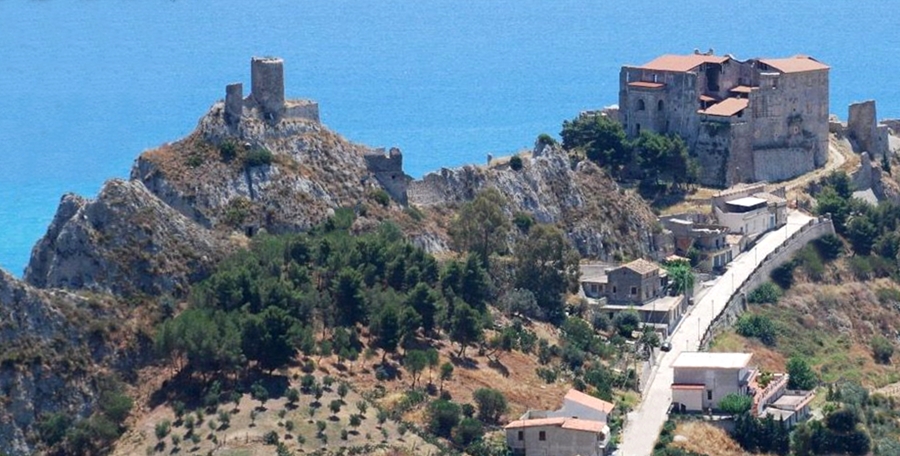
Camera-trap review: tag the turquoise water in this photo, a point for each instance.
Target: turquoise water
(88, 85)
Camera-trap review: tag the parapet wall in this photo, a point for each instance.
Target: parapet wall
(388, 171)
(737, 304)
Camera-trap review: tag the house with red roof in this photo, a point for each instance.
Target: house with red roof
(577, 428)
(749, 120)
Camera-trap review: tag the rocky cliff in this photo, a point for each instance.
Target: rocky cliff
(124, 242)
(52, 344)
(600, 219)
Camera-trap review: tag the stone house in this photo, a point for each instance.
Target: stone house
(579, 427)
(701, 380)
(745, 121)
(641, 286)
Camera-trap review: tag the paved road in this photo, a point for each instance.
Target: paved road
(645, 422)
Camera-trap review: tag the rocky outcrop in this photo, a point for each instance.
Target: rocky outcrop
(312, 172)
(46, 361)
(124, 242)
(600, 219)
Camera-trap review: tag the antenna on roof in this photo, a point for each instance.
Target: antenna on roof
(696, 51)
(711, 52)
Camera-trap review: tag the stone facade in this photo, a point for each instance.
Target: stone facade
(266, 100)
(745, 121)
(387, 168)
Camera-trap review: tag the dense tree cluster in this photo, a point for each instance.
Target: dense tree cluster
(651, 157)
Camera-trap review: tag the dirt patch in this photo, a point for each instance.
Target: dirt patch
(705, 438)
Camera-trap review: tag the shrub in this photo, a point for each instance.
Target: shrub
(783, 275)
(768, 292)
(381, 197)
(443, 416)
(228, 150)
(801, 375)
(491, 404)
(758, 326)
(467, 432)
(258, 157)
(626, 322)
(735, 404)
(882, 349)
(544, 139)
(829, 246)
(523, 221)
(515, 162)
(547, 375)
(270, 438)
(162, 429)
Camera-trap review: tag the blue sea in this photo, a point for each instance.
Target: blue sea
(87, 85)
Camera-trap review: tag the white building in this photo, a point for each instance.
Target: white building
(577, 428)
(702, 379)
(748, 216)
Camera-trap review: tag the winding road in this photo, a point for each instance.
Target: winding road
(644, 423)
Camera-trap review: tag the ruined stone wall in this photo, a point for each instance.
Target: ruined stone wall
(234, 103)
(740, 166)
(302, 109)
(388, 171)
(861, 125)
(712, 150)
(737, 303)
(267, 86)
(779, 164)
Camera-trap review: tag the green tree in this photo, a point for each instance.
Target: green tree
(387, 330)
(601, 139)
(467, 431)
(465, 327)
(735, 404)
(546, 265)
(446, 374)
(260, 393)
(768, 292)
(481, 225)
(415, 362)
(267, 338)
(335, 406)
(681, 276)
(349, 297)
(758, 326)
(424, 300)
(802, 376)
(862, 233)
(626, 322)
(491, 405)
(443, 416)
(882, 349)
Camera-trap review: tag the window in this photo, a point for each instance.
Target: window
(633, 291)
(542, 436)
(521, 435)
(637, 128)
(614, 289)
(660, 105)
(640, 105)
(709, 395)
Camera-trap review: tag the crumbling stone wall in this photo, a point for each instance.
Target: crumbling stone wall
(861, 124)
(234, 103)
(267, 86)
(388, 171)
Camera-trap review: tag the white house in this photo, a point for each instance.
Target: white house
(702, 379)
(577, 428)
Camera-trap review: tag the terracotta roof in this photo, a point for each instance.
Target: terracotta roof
(742, 89)
(681, 63)
(795, 64)
(584, 425)
(707, 98)
(588, 400)
(536, 422)
(646, 85)
(640, 266)
(727, 107)
(712, 360)
(685, 386)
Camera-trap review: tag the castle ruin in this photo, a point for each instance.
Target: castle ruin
(266, 100)
(744, 121)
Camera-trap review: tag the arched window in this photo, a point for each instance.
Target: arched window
(660, 105)
(641, 106)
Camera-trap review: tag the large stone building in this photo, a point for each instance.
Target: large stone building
(745, 121)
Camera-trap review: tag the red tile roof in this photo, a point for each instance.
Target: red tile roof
(795, 64)
(727, 107)
(742, 89)
(589, 401)
(583, 425)
(646, 85)
(681, 63)
(536, 422)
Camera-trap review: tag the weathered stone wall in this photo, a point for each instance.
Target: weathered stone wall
(779, 164)
(712, 150)
(388, 171)
(861, 123)
(302, 109)
(737, 303)
(234, 103)
(267, 86)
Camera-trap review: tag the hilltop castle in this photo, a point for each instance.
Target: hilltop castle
(745, 121)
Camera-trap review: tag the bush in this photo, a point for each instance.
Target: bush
(882, 349)
(228, 150)
(735, 404)
(381, 197)
(443, 416)
(768, 292)
(801, 375)
(544, 139)
(258, 157)
(758, 326)
(626, 322)
(491, 404)
(829, 246)
(523, 221)
(468, 431)
(783, 275)
(515, 162)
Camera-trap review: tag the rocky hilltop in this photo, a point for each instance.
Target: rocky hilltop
(253, 164)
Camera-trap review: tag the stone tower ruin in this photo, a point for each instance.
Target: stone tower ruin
(267, 86)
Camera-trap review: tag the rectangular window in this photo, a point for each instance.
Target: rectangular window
(709, 395)
(542, 436)
(521, 435)
(633, 290)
